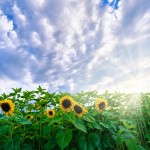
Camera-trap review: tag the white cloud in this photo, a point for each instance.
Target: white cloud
(133, 84)
(142, 25)
(8, 38)
(48, 28)
(109, 40)
(135, 38)
(37, 4)
(139, 83)
(78, 45)
(5, 25)
(35, 38)
(71, 84)
(20, 17)
(144, 64)
(26, 84)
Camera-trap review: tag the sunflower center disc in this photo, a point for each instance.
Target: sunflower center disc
(102, 105)
(28, 117)
(51, 113)
(66, 103)
(5, 107)
(77, 109)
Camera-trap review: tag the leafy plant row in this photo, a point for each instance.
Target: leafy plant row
(38, 119)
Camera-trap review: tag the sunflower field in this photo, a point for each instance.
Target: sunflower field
(39, 120)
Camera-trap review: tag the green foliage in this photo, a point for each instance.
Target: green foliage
(82, 144)
(124, 125)
(63, 138)
(93, 141)
(79, 124)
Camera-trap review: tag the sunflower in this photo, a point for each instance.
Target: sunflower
(36, 105)
(66, 103)
(43, 102)
(101, 104)
(7, 107)
(79, 110)
(50, 113)
(29, 117)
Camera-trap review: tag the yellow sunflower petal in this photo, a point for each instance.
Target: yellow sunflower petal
(79, 110)
(50, 113)
(7, 106)
(66, 103)
(101, 104)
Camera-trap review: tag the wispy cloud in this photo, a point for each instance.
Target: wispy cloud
(75, 45)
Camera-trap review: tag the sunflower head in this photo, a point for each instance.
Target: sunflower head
(43, 102)
(7, 107)
(66, 103)
(36, 105)
(29, 117)
(79, 109)
(101, 104)
(50, 113)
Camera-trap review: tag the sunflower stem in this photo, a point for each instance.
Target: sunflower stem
(40, 133)
(22, 137)
(11, 128)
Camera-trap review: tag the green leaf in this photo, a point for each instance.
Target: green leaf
(93, 141)
(9, 144)
(40, 89)
(27, 147)
(94, 112)
(20, 120)
(79, 124)
(88, 118)
(82, 144)
(73, 148)
(4, 96)
(12, 144)
(50, 144)
(47, 130)
(104, 125)
(140, 147)
(55, 120)
(119, 139)
(63, 138)
(4, 129)
(1, 147)
(132, 144)
(17, 90)
(69, 117)
(59, 127)
(107, 140)
(95, 125)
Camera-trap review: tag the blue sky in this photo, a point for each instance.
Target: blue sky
(74, 45)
